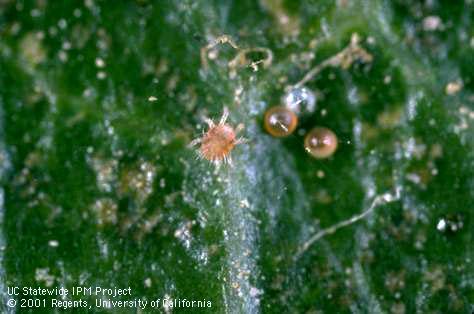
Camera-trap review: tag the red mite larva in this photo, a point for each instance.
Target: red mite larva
(219, 140)
(320, 142)
(280, 121)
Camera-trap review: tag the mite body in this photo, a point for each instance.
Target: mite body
(219, 140)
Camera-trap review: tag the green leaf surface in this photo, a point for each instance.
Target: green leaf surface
(100, 99)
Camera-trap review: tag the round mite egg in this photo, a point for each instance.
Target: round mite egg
(300, 100)
(280, 121)
(320, 142)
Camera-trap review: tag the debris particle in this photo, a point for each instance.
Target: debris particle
(35, 13)
(436, 278)
(62, 55)
(395, 281)
(77, 13)
(391, 118)
(152, 99)
(53, 243)
(32, 49)
(242, 59)
(441, 226)
(451, 223)
(377, 201)
(183, 233)
(287, 24)
(105, 170)
(235, 285)
(106, 211)
(66, 45)
(99, 63)
(223, 39)
(453, 87)
(62, 23)
(301, 100)
(138, 182)
(147, 282)
(254, 292)
(432, 23)
(42, 274)
(370, 40)
(343, 59)
(244, 203)
(398, 308)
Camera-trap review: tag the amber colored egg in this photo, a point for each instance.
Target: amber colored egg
(280, 121)
(320, 142)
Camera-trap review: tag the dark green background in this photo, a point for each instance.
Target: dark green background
(72, 139)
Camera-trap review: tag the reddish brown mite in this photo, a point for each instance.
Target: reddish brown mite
(219, 140)
(320, 142)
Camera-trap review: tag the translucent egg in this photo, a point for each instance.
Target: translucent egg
(300, 100)
(279, 121)
(320, 142)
